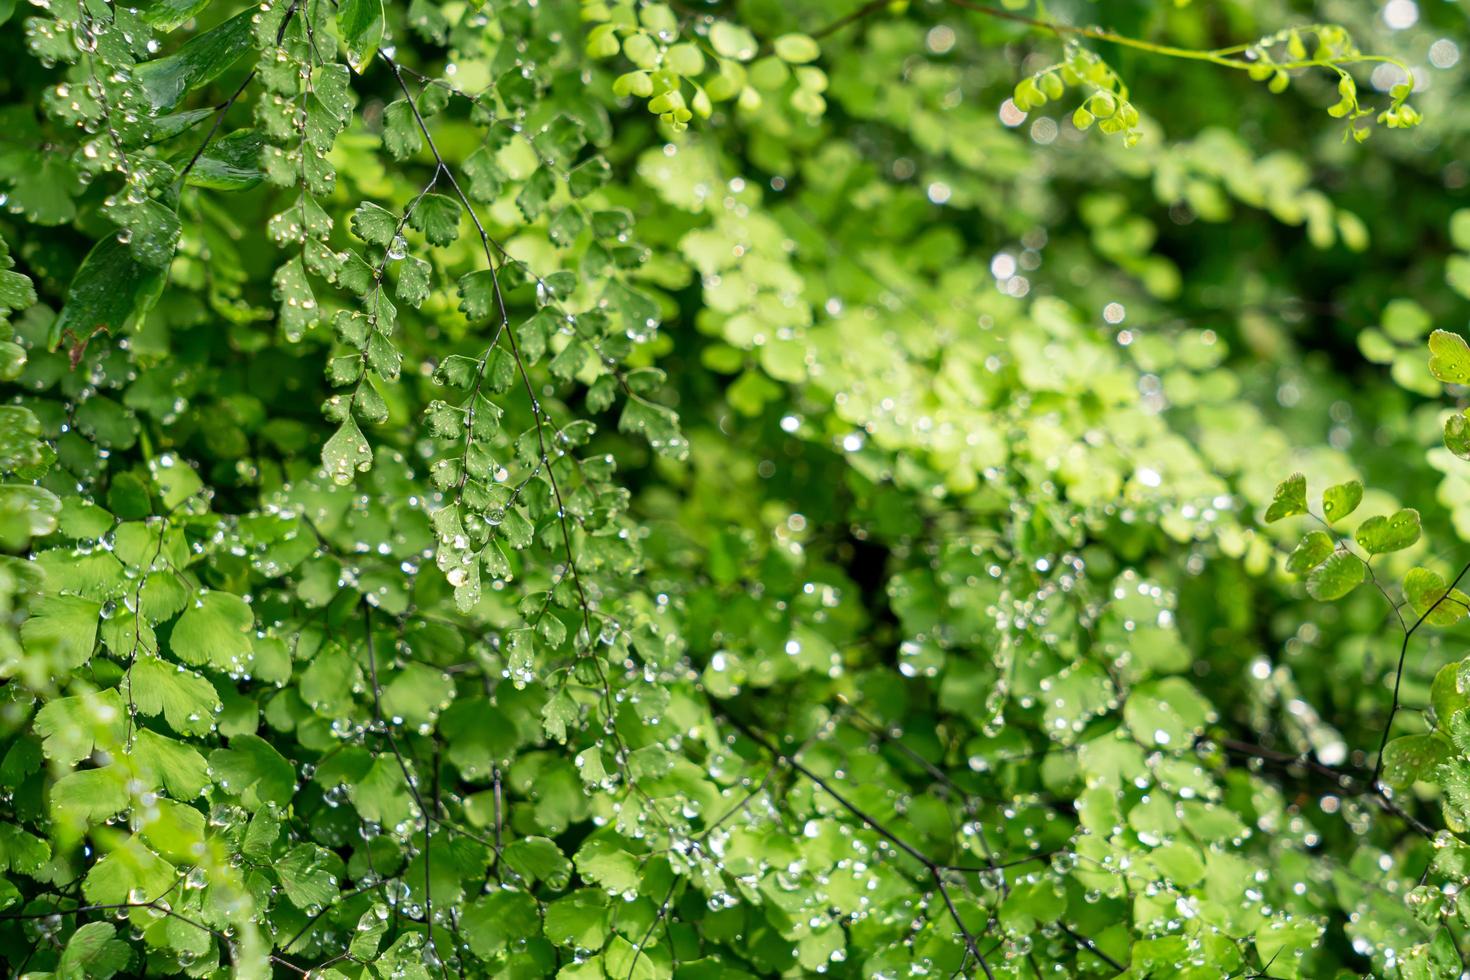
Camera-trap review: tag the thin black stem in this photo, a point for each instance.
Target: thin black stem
(1398, 676)
(935, 870)
(1084, 943)
(224, 108)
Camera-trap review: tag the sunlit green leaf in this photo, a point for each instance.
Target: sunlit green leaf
(1336, 577)
(1290, 499)
(1394, 532)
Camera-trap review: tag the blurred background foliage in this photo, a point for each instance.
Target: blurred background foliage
(943, 635)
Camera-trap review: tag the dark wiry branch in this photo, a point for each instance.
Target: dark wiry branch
(935, 870)
(1399, 672)
(224, 108)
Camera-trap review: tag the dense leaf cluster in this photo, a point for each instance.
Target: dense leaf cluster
(610, 489)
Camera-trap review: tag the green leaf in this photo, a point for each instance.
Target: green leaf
(346, 454)
(588, 176)
(20, 851)
(332, 86)
(401, 134)
(1457, 435)
(1336, 577)
(1426, 593)
(1341, 500)
(603, 860)
(174, 481)
(1310, 552)
(437, 216)
(361, 25)
(292, 289)
(20, 438)
(485, 176)
(44, 190)
(16, 290)
(1281, 942)
(382, 795)
(12, 356)
(1167, 713)
(1031, 903)
(1290, 499)
(1457, 274)
(684, 59)
(536, 193)
(110, 293)
(477, 294)
(1449, 357)
(199, 61)
(80, 519)
(107, 423)
(308, 876)
(657, 424)
(559, 713)
(1405, 320)
(732, 41)
(621, 959)
(414, 284)
(71, 728)
(63, 629)
(91, 795)
(520, 657)
(230, 163)
(539, 859)
(1446, 694)
(186, 700)
(94, 952)
(170, 765)
(214, 631)
(1380, 534)
(417, 694)
(580, 920)
(175, 830)
(796, 49)
(493, 922)
(369, 933)
(561, 139)
(250, 769)
(497, 632)
(1460, 229)
(169, 15)
(1411, 758)
(128, 873)
(373, 224)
